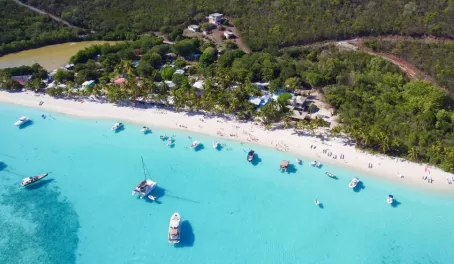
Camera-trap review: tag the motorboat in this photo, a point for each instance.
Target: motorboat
(33, 179)
(145, 130)
(330, 174)
(353, 183)
(170, 141)
(145, 187)
(313, 163)
(317, 202)
(195, 144)
(390, 199)
(215, 144)
(298, 161)
(163, 137)
(174, 228)
(22, 120)
(284, 165)
(116, 126)
(250, 155)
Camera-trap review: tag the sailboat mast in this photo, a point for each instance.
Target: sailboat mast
(143, 166)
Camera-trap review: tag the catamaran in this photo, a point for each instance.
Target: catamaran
(353, 183)
(145, 187)
(33, 179)
(116, 126)
(22, 120)
(174, 228)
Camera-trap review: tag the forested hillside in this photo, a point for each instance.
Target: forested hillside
(266, 23)
(22, 29)
(433, 58)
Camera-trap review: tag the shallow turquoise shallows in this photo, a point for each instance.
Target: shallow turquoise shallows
(233, 211)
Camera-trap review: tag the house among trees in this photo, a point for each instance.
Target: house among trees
(194, 28)
(215, 18)
(21, 79)
(298, 108)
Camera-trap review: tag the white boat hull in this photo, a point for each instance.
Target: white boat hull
(174, 228)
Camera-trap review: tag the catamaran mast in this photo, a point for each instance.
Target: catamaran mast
(143, 166)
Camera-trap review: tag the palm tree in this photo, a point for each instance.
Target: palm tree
(413, 153)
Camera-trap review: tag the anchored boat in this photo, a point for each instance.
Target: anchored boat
(22, 120)
(195, 144)
(174, 228)
(145, 187)
(353, 183)
(390, 199)
(284, 165)
(250, 156)
(33, 179)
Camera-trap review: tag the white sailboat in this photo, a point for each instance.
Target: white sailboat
(145, 187)
(174, 228)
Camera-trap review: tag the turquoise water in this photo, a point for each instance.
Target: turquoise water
(233, 211)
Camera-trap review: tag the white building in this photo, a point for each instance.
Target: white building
(194, 28)
(215, 18)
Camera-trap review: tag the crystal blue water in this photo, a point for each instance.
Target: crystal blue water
(233, 211)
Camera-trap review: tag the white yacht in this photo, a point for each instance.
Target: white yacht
(195, 144)
(390, 199)
(22, 120)
(116, 126)
(330, 174)
(215, 145)
(33, 179)
(353, 183)
(174, 228)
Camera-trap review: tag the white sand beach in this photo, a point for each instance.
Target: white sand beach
(287, 140)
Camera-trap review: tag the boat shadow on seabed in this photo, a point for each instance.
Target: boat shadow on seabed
(359, 187)
(26, 124)
(187, 235)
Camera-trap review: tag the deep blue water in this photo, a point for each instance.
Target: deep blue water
(233, 211)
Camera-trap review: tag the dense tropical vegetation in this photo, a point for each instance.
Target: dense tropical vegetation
(22, 29)
(264, 23)
(432, 57)
(378, 106)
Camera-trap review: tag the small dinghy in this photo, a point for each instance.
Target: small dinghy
(250, 156)
(22, 120)
(316, 164)
(390, 199)
(117, 126)
(317, 202)
(298, 161)
(353, 183)
(145, 130)
(163, 137)
(30, 180)
(330, 174)
(215, 145)
(195, 144)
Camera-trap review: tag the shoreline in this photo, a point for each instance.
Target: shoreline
(284, 140)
